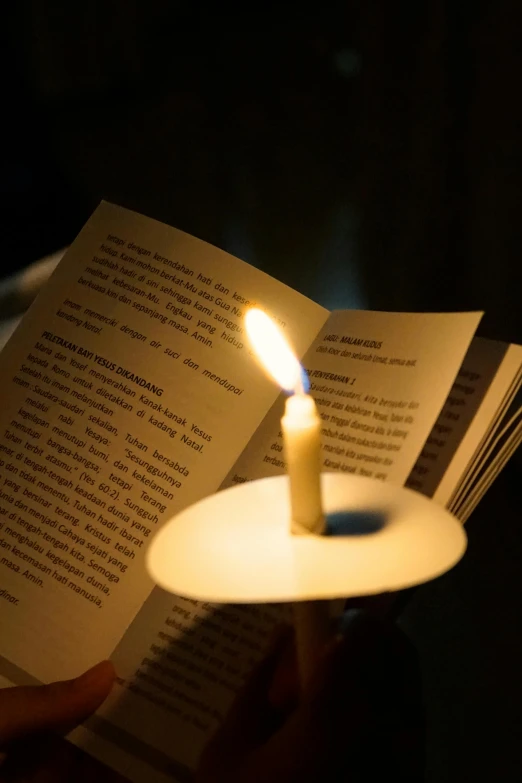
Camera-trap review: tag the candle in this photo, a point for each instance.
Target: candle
(301, 424)
(301, 427)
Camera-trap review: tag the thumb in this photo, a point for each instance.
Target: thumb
(27, 710)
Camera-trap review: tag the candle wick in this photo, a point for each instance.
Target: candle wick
(299, 386)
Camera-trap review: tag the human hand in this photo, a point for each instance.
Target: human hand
(30, 715)
(359, 719)
(59, 706)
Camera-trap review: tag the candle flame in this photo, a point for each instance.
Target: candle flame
(274, 352)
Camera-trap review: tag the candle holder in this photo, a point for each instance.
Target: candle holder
(236, 546)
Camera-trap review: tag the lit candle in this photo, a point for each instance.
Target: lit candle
(238, 545)
(301, 424)
(301, 427)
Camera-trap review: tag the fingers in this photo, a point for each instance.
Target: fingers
(348, 720)
(256, 688)
(252, 704)
(28, 710)
(284, 690)
(373, 658)
(365, 695)
(250, 720)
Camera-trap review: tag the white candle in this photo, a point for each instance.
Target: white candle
(301, 426)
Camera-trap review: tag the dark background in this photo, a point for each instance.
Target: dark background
(368, 153)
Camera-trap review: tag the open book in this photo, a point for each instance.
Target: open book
(129, 392)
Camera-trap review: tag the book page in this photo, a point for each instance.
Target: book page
(472, 383)
(497, 436)
(505, 450)
(501, 447)
(180, 665)
(502, 389)
(128, 393)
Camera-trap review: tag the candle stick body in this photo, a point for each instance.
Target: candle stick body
(312, 632)
(301, 426)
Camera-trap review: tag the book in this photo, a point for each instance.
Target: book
(130, 392)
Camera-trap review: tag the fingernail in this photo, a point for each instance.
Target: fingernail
(101, 671)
